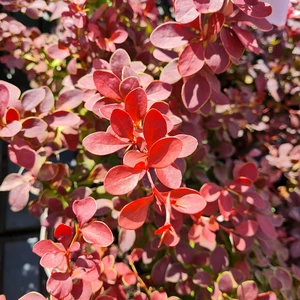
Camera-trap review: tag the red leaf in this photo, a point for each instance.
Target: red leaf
(119, 36)
(129, 84)
(107, 84)
(247, 39)
(118, 60)
(170, 176)
(185, 11)
(98, 233)
(103, 143)
(231, 43)
(249, 170)
(266, 225)
(84, 210)
(134, 214)
(122, 124)
(210, 191)
(195, 92)
(64, 234)
(4, 99)
(247, 228)
(191, 60)
(154, 127)
(158, 90)
(32, 98)
(59, 285)
(216, 57)
(241, 184)
(121, 180)
(11, 115)
(164, 152)
(136, 104)
(208, 6)
(171, 35)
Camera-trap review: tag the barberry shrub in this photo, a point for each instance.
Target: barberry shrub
(183, 122)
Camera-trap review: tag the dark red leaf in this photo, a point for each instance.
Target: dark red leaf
(191, 60)
(259, 10)
(215, 24)
(248, 170)
(216, 57)
(247, 228)
(247, 39)
(266, 225)
(107, 84)
(128, 84)
(231, 43)
(195, 92)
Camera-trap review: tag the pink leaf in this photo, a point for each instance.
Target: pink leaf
(158, 90)
(103, 143)
(216, 57)
(210, 191)
(164, 152)
(208, 6)
(107, 84)
(69, 99)
(122, 124)
(189, 144)
(189, 203)
(4, 99)
(170, 72)
(121, 180)
(10, 129)
(18, 196)
(32, 296)
(136, 104)
(154, 127)
(134, 214)
(63, 118)
(170, 176)
(225, 204)
(56, 53)
(118, 60)
(126, 239)
(84, 210)
(195, 92)
(134, 157)
(231, 43)
(170, 35)
(32, 98)
(98, 233)
(59, 285)
(32, 127)
(119, 36)
(191, 60)
(247, 290)
(185, 11)
(128, 84)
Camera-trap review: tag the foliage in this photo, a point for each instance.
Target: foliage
(185, 138)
